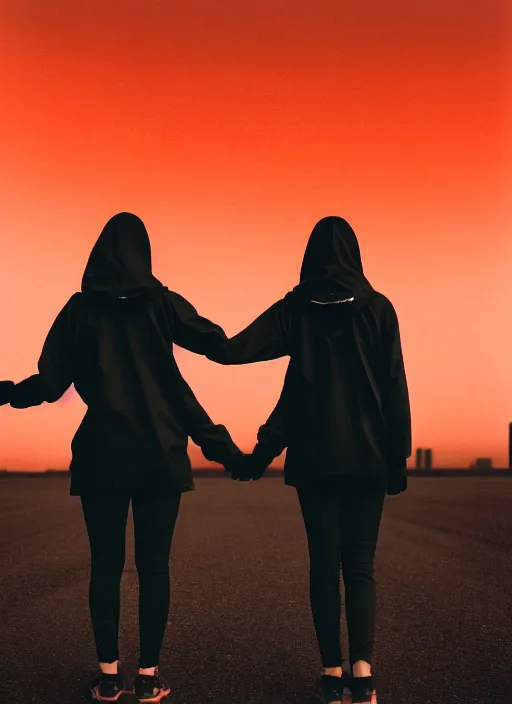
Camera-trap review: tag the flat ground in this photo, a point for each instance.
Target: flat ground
(240, 630)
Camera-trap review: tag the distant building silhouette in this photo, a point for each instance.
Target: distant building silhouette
(510, 446)
(483, 463)
(423, 459)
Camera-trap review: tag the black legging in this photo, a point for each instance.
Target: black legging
(154, 518)
(342, 519)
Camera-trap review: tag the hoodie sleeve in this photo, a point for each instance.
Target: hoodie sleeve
(214, 440)
(395, 395)
(56, 366)
(272, 435)
(267, 337)
(192, 331)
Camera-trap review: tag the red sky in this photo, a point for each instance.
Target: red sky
(231, 128)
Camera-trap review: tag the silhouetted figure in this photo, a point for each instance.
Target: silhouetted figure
(344, 416)
(114, 342)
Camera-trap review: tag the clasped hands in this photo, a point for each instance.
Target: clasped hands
(245, 467)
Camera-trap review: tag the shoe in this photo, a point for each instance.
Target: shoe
(362, 690)
(330, 689)
(151, 689)
(108, 688)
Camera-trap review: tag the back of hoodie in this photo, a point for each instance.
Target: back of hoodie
(114, 341)
(344, 409)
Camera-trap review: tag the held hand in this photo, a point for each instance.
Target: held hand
(246, 467)
(237, 468)
(255, 466)
(6, 388)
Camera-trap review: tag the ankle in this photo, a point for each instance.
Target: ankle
(147, 671)
(109, 668)
(361, 669)
(333, 671)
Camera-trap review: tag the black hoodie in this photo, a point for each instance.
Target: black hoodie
(344, 409)
(114, 342)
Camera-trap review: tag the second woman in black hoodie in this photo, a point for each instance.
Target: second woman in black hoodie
(344, 416)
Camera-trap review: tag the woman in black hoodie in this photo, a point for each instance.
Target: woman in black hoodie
(114, 342)
(344, 416)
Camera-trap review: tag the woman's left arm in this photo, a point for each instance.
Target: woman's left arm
(55, 367)
(267, 337)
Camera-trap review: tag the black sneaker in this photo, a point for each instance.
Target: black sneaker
(108, 688)
(362, 690)
(151, 689)
(330, 689)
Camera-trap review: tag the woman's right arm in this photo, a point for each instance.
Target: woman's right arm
(264, 339)
(214, 439)
(395, 398)
(192, 331)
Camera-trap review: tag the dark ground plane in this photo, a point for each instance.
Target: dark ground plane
(240, 630)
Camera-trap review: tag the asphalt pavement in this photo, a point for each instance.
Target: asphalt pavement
(240, 630)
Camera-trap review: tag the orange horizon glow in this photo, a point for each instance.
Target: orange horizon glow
(230, 131)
